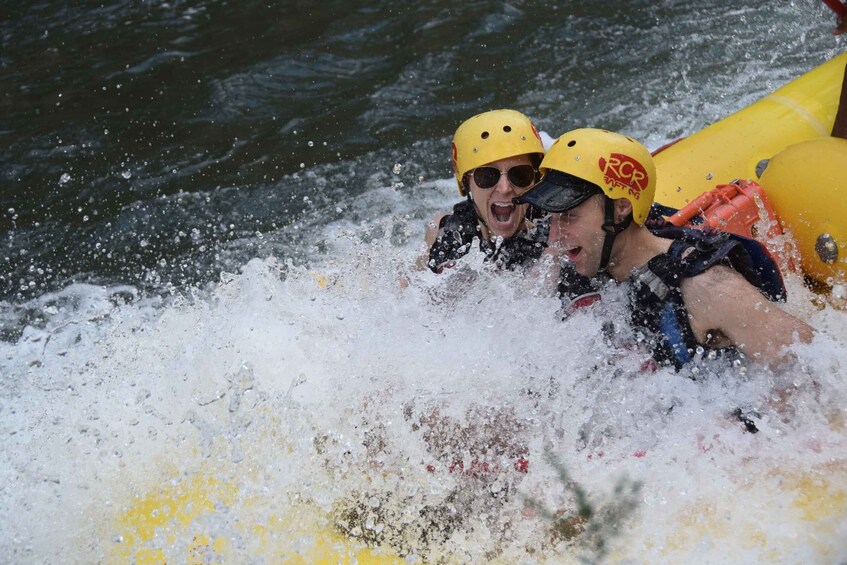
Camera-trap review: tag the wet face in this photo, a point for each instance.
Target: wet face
(494, 205)
(577, 235)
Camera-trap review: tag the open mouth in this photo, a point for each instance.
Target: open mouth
(502, 212)
(573, 253)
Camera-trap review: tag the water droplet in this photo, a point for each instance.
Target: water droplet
(64, 178)
(126, 174)
(397, 168)
(374, 502)
(311, 144)
(709, 176)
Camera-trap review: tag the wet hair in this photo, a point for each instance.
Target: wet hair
(536, 159)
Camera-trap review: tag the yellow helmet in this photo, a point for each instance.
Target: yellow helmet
(618, 165)
(492, 136)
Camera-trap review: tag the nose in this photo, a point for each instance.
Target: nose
(503, 185)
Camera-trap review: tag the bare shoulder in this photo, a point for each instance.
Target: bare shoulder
(709, 297)
(720, 291)
(716, 282)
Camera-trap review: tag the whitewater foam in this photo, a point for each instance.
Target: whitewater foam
(363, 397)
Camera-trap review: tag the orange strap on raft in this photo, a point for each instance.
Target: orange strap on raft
(740, 207)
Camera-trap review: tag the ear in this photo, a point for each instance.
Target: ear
(623, 208)
(466, 183)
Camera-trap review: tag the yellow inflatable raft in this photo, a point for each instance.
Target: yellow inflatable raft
(206, 516)
(786, 134)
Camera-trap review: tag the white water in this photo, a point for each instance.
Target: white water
(300, 405)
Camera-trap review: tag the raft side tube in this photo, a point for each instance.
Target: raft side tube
(730, 149)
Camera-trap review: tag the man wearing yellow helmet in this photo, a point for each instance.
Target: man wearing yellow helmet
(495, 159)
(690, 289)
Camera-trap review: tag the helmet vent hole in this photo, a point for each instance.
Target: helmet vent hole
(571, 143)
(484, 135)
(507, 129)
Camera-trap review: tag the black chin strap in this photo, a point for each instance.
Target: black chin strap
(612, 230)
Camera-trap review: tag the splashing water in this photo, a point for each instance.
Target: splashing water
(336, 405)
(315, 413)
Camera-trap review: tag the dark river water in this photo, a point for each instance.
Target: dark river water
(157, 143)
(206, 207)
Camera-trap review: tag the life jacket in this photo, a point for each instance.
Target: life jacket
(656, 299)
(457, 231)
(577, 291)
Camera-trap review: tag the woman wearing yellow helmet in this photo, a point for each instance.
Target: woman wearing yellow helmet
(690, 289)
(495, 159)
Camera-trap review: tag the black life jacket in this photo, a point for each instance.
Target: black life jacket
(457, 231)
(656, 299)
(578, 291)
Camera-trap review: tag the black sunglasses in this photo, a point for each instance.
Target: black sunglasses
(521, 176)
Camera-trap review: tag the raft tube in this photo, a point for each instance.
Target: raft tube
(806, 184)
(732, 148)
(787, 135)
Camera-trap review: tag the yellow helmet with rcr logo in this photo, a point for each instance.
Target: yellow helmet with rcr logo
(619, 165)
(492, 136)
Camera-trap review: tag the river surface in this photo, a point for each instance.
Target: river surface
(205, 210)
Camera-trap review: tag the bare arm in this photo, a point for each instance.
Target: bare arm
(722, 303)
(429, 237)
(432, 230)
